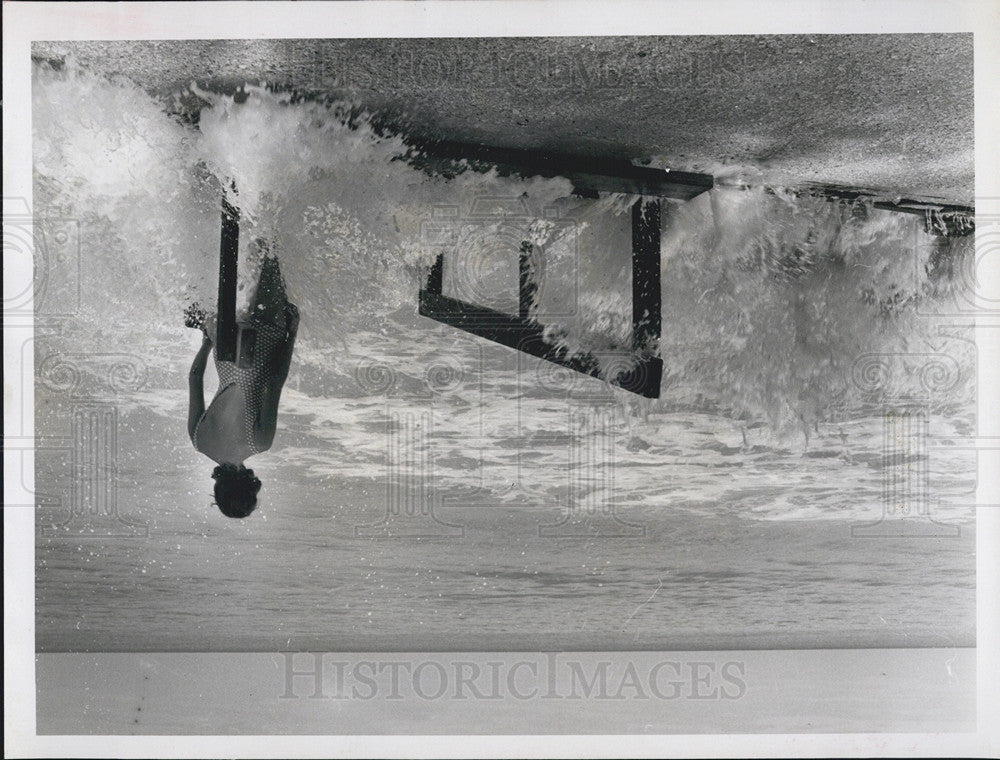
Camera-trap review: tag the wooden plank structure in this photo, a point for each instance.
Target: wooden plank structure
(590, 176)
(900, 205)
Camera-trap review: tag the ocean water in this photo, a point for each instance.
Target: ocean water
(801, 481)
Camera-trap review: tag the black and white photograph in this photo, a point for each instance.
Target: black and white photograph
(586, 374)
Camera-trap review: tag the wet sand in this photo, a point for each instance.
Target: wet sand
(888, 112)
(707, 547)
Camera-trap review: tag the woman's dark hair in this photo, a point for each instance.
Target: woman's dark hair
(236, 490)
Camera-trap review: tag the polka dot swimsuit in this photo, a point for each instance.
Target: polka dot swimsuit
(251, 380)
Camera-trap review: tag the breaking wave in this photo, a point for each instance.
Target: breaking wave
(776, 305)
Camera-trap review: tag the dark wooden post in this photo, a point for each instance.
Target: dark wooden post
(645, 274)
(228, 256)
(590, 176)
(526, 291)
(435, 278)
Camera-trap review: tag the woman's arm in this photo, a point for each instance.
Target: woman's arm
(196, 389)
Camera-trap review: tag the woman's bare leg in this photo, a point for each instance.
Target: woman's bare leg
(269, 299)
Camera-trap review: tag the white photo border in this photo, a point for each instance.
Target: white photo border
(26, 22)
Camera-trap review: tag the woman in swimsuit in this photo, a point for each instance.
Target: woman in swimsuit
(241, 419)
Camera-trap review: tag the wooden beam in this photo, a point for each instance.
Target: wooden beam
(899, 205)
(528, 287)
(527, 336)
(645, 275)
(589, 174)
(435, 278)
